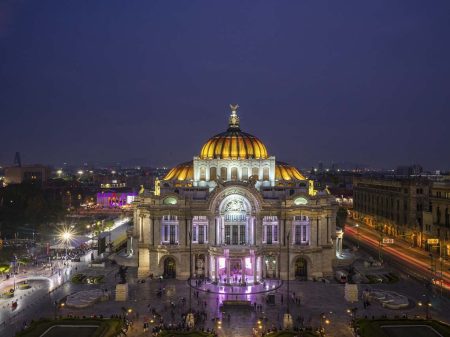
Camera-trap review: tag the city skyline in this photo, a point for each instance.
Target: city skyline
(152, 83)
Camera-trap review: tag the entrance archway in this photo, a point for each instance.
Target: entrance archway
(301, 269)
(170, 268)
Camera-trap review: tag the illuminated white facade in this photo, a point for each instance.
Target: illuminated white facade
(239, 210)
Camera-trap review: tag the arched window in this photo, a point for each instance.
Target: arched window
(265, 173)
(234, 173)
(244, 173)
(212, 173)
(255, 172)
(202, 173)
(234, 210)
(223, 173)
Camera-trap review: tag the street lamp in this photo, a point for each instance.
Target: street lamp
(287, 321)
(357, 234)
(66, 237)
(190, 320)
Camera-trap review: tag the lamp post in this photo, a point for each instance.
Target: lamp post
(357, 235)
(287, 320)
(66, 237)
(190, 320)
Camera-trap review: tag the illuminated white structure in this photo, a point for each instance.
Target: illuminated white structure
(239, 206)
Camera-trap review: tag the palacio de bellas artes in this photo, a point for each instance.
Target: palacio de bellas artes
(239, 213)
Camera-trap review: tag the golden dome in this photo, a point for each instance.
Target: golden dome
(283, 172)
(233, 144)
(286, 172)
(181, 172)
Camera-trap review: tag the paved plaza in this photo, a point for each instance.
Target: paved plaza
(312, 299)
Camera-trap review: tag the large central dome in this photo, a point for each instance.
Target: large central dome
(233, 143)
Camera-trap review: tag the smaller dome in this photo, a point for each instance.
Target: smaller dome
(286, 172)
(181, 172)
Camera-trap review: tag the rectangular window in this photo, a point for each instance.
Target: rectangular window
(303, 233)
(166, 233)
(298, 235)
(227, 234)
(201, 234)
(269, 235)
(194, 233)
(241, 234)
(172, 235)
(234, 235)
(275, 233)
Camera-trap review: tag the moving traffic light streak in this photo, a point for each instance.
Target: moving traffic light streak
(419, 265)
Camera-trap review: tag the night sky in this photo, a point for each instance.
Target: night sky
(148, 82)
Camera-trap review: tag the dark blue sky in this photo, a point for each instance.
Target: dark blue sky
(150, 81)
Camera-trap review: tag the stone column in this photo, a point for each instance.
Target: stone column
(157, 231)
(150, 231)
(228, 269)
(182, 231)
(319, 236)
(216, 270)
(140, 227)
(242, 269)
(145, 229)
(258, 225)
(313, 232)
(254, 268)
(289, 229)
(252, 223)
(212, 230)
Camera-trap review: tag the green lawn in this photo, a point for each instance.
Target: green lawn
(374, 328)
(106, 328)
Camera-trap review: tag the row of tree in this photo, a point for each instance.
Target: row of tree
(28, 208)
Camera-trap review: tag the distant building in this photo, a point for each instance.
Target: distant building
(407, 171)
(115, 199)
(31, 173)
(437, 218)
(392, 206)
